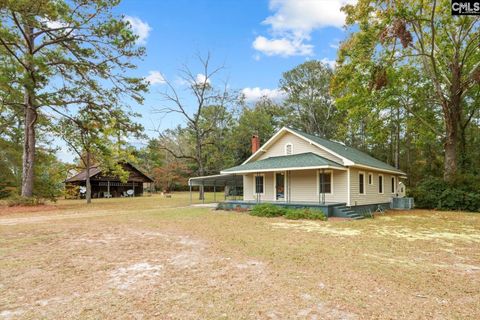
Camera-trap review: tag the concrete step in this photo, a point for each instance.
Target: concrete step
(355, 216)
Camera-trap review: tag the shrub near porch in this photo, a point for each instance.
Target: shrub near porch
(270, 210)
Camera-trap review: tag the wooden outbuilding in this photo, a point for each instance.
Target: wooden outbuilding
(106, 185)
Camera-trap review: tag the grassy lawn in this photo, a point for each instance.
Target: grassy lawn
(154, 257)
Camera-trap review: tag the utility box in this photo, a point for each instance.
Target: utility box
(402, 203)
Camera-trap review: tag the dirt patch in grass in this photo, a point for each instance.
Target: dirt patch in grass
(467, 234)
(6, 210)
(318, 227)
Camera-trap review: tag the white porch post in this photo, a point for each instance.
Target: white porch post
(190, 185)
(348, 187)
(214, 191)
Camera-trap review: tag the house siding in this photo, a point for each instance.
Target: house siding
(371, 196)
(340, 187)
(268, 187)
(303, 186)
(299, 146)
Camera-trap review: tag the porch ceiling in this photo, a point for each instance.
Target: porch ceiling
(302, 161)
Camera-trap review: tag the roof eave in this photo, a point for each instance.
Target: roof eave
(399, 172)
(283, 169)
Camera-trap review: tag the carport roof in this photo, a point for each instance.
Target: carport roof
(217, 180)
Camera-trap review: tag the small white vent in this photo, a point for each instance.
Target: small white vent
(288, 149)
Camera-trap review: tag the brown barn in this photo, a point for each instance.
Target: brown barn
(106, 186)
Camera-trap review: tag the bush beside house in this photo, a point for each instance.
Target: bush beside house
(269, 210)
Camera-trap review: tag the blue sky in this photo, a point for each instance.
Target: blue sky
(256, 41)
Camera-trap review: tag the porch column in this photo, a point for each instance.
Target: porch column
(289, 188)
(203, 189)
(255, 186)
(190, 186)
(235, 190)
(214, 191)
(322, 186)
(108, 187)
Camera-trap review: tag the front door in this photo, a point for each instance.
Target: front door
(280, 186)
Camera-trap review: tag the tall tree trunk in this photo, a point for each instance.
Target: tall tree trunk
(397, 139)
(88, 194)
(30, 117)
(451, 142)
(28, 146)
(453, 114)
(462, 150)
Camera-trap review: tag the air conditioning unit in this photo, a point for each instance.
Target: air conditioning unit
(402, 203)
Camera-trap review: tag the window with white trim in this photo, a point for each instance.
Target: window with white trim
(259, 184)
(325, 182)
(288, 149)
(393, 184)
(361, 183)
(380, 183)
(370, 178)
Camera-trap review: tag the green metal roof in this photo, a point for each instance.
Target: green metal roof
(301, 160)
(354, 155)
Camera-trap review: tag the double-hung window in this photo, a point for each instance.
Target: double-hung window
(259, 184)
(361, 183)
(325, 182)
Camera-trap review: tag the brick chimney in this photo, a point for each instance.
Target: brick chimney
(255, 143)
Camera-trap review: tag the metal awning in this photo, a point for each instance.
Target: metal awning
(218, 180)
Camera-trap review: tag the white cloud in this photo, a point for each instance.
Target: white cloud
(328, 62)
(140, 28)
(55, 24)
(201, 79)
(335, 44)
(303, 16)
(293, 21)
(255, 94)
(282, 47)
(155, 77)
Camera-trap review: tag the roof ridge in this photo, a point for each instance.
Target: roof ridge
(318, 137)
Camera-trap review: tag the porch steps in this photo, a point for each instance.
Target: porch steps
(349, 213)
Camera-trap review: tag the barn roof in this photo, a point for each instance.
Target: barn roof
(96, 170)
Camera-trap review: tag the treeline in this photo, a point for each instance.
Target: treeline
(63, 75)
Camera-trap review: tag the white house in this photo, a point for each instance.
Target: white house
(298, 169)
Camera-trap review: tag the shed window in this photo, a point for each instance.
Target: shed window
(380, 184)
(361, 183)
(325, 182)
(370, 178)
(288, 149)
(258, 184)
(393, 184)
